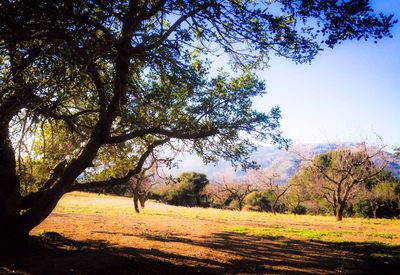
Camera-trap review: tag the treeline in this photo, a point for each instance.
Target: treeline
(340, 183)
(379, 201)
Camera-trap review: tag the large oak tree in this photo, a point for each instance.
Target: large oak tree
(80, 78)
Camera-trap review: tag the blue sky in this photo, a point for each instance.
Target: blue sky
(350, 93)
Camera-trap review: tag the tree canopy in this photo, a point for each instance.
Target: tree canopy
(82, 78)
(187, 190)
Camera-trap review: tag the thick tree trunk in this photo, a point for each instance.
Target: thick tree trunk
(12, 235)
(339, 212)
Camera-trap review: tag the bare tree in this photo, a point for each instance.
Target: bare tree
(297, 195)
(141, 185)
(339, 174)
(237, 191)
(269, 179)
(147, 178)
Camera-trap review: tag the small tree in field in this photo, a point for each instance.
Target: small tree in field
(338, 175)
(236, 191)
(141, 185)
(299, 193)
(269, 180)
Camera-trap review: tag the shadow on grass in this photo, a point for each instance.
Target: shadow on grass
(51, 253)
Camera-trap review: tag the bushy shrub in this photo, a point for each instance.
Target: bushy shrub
(258, 201)
(299, 210)
(186, 191)
(362, 209)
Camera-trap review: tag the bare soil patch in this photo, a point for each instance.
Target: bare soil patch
(91, 234)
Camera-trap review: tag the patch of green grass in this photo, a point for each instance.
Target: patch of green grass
(41, 233)
(309, 234)
(291, 232)
(383, 235)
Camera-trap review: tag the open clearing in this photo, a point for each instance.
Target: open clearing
(100, 234)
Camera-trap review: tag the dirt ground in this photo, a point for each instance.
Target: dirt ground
(90, 234)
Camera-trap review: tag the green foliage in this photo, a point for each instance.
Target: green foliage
(363, 209)
(259, 201)
(380, 198)
(66, 53)
(187, 191)
(299, 210)
(397, 151)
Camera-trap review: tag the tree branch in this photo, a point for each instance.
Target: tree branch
(124, 179)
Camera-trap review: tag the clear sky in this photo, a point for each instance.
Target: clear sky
(350, 93)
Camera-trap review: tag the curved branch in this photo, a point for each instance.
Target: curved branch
(124, 179)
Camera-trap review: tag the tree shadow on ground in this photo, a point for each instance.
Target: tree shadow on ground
(54, 254)
(288, 256)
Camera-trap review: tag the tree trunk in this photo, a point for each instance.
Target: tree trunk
(240, 202)
(142, 199)
(339, 212)
(12, 236)
(374, 210)
(274, 207)
(136, 199)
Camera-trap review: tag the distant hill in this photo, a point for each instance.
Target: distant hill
(286, 163)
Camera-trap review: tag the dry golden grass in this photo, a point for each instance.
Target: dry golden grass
(93, 228)
(351, 229)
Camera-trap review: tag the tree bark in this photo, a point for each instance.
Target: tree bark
(240, 204)
(374, 210)
(12, 235)
(136, 198)
(339, 212)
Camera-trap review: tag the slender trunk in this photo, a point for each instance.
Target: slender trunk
(136, 203)
(142, 199)
(296, 209)
(240, 202)
(136, 199)
(274, 207)
(374, 210)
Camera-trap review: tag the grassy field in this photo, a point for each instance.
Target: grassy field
(99, 234)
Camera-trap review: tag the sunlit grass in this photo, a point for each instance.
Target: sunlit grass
(309, 234)
(253, 223)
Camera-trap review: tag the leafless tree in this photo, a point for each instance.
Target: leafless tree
(297, 195)
(269, 179)
(339, 174)
(146, 179)
(237, 191)
(141, 185)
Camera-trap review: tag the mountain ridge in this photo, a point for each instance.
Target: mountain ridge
(285, 163)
